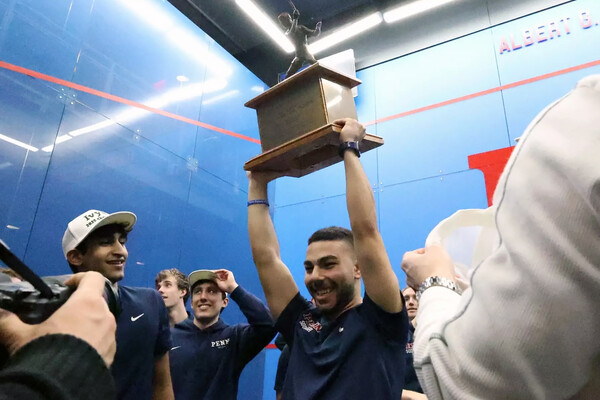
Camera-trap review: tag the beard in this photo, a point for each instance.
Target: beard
(344, 296)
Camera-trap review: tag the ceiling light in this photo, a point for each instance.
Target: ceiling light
(411, 9)
(266, 24)
(59, 139)
(346, 32)
(150, 12)
(18, 143)
(193, 46)
(175, 95)
(91, 128)
(220, 97)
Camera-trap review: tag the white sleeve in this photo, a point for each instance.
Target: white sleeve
(529, 328)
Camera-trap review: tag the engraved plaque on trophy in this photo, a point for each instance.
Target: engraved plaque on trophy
(295, 121)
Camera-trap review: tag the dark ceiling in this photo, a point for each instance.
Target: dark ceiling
(229, 26)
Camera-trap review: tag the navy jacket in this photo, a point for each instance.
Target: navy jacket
(206, 364)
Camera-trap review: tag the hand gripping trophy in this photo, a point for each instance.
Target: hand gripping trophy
(298, 34)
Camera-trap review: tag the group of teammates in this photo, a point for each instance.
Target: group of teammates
(341, 337)
(347, 347)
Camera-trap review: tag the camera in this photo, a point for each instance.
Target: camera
(36, 300)
(32, 307)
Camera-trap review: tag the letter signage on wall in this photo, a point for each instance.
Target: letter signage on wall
(545, 31)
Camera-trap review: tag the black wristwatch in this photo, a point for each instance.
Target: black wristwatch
(349, 146)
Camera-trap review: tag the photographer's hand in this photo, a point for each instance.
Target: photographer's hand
(84, 315)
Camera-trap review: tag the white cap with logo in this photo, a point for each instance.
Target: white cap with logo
(89, 221)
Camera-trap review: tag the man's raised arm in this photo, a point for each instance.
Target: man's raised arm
(276, 279)
(381, 284)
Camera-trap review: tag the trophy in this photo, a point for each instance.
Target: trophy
(295, 117)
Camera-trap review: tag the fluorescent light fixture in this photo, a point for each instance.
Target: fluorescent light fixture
(91, 128)
(346, 32)
(411, 9)
(131, 114)
(151, 12)
(155, 14)
(188, 92)
(59, 139)
(193, 46)
(220, 97)
(18, 143)
(266, 24)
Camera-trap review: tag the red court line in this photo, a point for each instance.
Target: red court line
(484, 92)
(122, 100)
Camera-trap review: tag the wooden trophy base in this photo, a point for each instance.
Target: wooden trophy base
(307, 153)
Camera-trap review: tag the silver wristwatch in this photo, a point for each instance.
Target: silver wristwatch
(437, 281)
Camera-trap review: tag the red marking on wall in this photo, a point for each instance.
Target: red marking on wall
(108, 96)
(122, 100)
(160, 85)
(485, 92)
(491, 163)
(271, 346)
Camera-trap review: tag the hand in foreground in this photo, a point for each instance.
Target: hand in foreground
(420, 264)
(84, 315)
(225, 280)
(352, 130)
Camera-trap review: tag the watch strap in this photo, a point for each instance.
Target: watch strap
(437, 281)
(352, 146)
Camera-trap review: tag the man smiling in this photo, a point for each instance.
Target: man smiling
(96, 241)
(345, 346)
(223, 350)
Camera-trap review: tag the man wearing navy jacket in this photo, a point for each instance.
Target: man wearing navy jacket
(96, 241)
(208, 355)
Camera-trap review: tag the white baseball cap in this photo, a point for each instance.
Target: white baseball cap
(89, 221)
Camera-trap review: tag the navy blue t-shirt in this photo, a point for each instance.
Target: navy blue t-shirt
(207, 363)
(143, 336)
(359, 355)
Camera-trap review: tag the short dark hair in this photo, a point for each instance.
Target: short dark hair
(182, 282)
(103, 231)
(332, 233)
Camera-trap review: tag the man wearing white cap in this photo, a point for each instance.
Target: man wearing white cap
(96, 241)
(208, 355)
